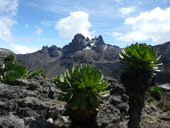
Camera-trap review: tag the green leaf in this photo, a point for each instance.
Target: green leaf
(139, 57)
(79, 83)
(11, 71)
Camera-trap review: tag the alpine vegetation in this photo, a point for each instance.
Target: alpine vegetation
(12, 70)
(141, 63)
(81, 88)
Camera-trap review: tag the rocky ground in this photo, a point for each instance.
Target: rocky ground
(33, 103)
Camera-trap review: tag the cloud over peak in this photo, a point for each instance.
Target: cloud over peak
(154, 25)
(77, 22)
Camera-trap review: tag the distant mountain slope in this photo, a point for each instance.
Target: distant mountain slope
(54, 60)
(164, 50)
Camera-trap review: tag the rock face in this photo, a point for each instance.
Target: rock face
(11, 121)
(27, 101)
(33, 103)
(4, 53)
(78, 43)
(164, 50)
(52, 51)
(54, 60)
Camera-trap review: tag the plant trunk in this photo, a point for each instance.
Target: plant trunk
(136, 104)
(83, 118)
(136, 83)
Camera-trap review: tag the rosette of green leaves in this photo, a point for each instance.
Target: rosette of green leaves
(81, 86)
(140, 56)
(11, 71)
(35, 73)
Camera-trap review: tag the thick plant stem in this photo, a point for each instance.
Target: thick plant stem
(83, 118)
(91, 124)
(136, 105)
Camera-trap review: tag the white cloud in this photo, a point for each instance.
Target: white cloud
(38, 30)
(5, 29)
(77, 22)
(153, 25)
(126, 11)
(19, 49)
(8, 9)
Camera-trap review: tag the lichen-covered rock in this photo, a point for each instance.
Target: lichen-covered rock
(33, 103)
(108, 117)
(28, 100)
(11, 121)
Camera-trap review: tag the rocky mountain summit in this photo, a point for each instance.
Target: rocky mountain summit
(54, 61)
(51, 51)
(80, 43)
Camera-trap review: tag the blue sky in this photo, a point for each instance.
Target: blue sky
(27, 25)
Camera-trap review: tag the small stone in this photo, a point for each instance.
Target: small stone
(115, 101)
(64, 119)
(50, 120)
(106, 95)
(51, 94)
(117, 89)
(124, 98)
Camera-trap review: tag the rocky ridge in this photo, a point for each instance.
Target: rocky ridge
(54, 61)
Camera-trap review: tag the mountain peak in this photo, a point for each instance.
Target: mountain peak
(100, 40)
(78, 37)
(79, 43)
(51, 51)
(92, 51)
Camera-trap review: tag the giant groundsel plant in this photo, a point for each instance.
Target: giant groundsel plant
(140, 56)
(141, 63)
(81, 88)
(11, 71)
